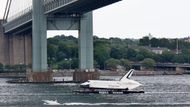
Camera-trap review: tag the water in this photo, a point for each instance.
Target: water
(160, 91)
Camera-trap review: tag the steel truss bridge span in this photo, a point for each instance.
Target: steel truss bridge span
(70, 8)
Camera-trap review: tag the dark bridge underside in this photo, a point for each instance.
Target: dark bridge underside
(81, 6)
(24, 22)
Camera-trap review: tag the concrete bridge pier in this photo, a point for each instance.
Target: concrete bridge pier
(4, 46)
(19, 49)
(86, 41)
(86, 58)
(15, 49)
(39, 45)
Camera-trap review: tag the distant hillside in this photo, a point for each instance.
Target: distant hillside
(108, 53)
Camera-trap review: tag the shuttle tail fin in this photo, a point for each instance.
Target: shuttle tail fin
(127, 75)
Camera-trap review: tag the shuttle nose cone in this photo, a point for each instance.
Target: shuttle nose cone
(137, 83)
(133, 84)
(84, 85)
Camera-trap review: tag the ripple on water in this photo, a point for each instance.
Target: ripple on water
(159, 91)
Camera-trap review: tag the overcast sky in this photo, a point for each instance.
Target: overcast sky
(138, 18)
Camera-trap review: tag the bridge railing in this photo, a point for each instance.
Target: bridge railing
(50, 5)
(18, 20)
(19, 14)
(25, 16)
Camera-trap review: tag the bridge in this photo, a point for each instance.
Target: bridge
(24, 34)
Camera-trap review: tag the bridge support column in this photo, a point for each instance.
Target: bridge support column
(39, 44)
(179, 70)
(86, 50)
(4, 46)
(86, 41)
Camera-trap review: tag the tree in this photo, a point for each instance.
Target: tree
(144, 41)
(125, 63)
(131, 54)
(61, 56)
(139, 57)
(186, 51)
(96, 65)
(112, 63)
(148, 63)
(75, 63)
(1, 66)
(116, 53)
(154, 42)
(179, 58)
(65, 64)
(146, 53)
(167, 56)
(64, 48)
(164, 42)
(52, 51)
(101, 54)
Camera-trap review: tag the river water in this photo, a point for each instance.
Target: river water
(160, 91)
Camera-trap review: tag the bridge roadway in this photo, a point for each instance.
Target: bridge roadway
(73, 8)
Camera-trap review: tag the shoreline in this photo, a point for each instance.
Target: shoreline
(62, 77)
(102, 73)
(12, 75)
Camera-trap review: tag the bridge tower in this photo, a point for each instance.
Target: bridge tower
(86, 41)
(27, 33)
(39, 41)
(39, 45)
(39, 37)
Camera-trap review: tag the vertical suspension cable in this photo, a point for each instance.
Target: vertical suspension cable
(8, 10)
(5, 12)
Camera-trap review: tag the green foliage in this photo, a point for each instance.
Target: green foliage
(112, 63)
(1, 66)
(60, 48)
(19, 68)
(146, 53)
(74, 63)
(179, 58)
(139, 57)
(125, 63)
(163, 42)
(154, 42)
(148, 63)
(101, 54)
(65, 64)
(52, 53)
(167, 56)
(109, 52)
(118, 52)
(144, 41)
(131, 54)
(96, 65)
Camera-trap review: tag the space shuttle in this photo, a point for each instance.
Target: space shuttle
(123, 84)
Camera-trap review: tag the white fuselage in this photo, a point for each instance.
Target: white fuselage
(125, 83)
(120, 85)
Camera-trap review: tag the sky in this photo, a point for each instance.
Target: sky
(138, 18)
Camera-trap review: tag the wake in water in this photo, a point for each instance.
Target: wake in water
(52, 102)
